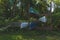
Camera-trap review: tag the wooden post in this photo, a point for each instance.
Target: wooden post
(13, 9)
(22, 12)
(51, 16)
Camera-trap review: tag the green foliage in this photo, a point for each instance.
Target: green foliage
(9, 12)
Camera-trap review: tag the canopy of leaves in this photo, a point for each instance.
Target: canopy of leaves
(10, 12)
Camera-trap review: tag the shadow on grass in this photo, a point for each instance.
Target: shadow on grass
(30, 35)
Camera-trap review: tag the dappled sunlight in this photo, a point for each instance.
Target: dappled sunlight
(17, 37)
(52, 38)
(0, 1)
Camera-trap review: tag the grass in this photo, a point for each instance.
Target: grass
(30, 35)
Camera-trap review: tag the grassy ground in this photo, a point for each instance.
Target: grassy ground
(30, 35)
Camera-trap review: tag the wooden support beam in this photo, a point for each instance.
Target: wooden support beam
(51, 27)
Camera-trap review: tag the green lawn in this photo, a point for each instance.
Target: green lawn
(30, 35)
